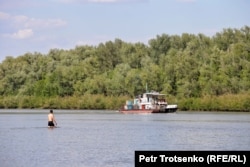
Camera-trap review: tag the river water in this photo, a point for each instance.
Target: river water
(109, 139)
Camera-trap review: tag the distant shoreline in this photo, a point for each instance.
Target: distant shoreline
(224, 103)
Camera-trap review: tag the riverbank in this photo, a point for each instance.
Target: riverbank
(229, 102)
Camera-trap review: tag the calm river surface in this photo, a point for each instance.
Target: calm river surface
(108, 138)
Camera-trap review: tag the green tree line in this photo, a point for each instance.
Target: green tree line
(196, 71)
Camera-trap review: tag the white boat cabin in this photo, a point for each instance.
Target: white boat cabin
(152, 100)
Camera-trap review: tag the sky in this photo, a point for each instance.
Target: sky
(30, 26)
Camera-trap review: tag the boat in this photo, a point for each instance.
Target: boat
(151, 102)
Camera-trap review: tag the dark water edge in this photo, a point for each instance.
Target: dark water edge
(105, 138)
(104, 111)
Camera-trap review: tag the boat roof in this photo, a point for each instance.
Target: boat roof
(155, 94)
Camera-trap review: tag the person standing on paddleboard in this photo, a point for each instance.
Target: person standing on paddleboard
(51, 119)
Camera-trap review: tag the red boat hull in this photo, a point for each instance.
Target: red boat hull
(138, 111)
(145, 111)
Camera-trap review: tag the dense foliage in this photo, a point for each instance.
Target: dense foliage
(187, 67)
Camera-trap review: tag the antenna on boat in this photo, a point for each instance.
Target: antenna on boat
(146, 87)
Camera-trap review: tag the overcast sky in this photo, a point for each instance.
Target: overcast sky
(41, 25)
